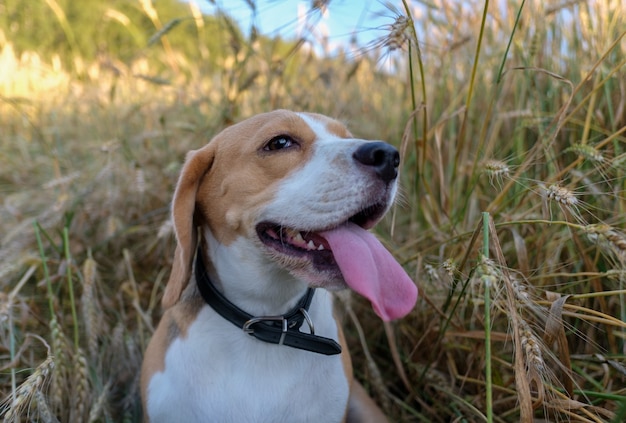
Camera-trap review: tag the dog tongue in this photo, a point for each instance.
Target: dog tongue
(369, 269)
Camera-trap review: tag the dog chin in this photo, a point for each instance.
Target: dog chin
(326, 280)
(316, 275)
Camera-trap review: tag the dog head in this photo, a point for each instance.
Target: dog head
(293, 193)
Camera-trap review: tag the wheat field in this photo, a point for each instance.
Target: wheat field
(511, 120)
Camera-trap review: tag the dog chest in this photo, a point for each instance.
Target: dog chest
(218, 373)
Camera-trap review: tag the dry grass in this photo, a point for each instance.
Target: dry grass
(530, 132)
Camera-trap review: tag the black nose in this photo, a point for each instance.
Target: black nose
(382, 157)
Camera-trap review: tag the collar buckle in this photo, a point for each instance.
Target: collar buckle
(247, 326)
(308, 320)
(285, 323)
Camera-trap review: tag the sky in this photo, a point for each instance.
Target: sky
(340, 23)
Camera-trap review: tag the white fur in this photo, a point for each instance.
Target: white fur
(264, 382)
(318, 195)
(259, 287)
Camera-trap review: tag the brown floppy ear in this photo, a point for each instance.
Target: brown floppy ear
(197, 164)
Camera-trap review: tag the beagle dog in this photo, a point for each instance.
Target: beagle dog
(270, 217)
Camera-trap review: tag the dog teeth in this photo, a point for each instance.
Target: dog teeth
(291, 233)
(298, 238)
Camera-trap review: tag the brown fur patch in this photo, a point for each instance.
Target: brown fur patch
(244, 176)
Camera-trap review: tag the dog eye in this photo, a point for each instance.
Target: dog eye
(279, 142)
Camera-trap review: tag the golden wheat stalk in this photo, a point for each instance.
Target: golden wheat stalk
(608, 238)
(496, 168)
(532, 347)
(59, 348)
(399, 33)
(21, 399)
(90, 308)
(98, 406)
(588, 152)
(43, 408)
(82, 392)
(561, 195)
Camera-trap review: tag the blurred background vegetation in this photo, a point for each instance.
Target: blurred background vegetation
(118, 30)
(510, 116)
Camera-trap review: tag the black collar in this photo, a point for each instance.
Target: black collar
(281, 330)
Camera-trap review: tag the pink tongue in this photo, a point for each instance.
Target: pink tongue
(369, 269)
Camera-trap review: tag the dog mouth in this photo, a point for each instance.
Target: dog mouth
(311, 244)
(345, 255)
